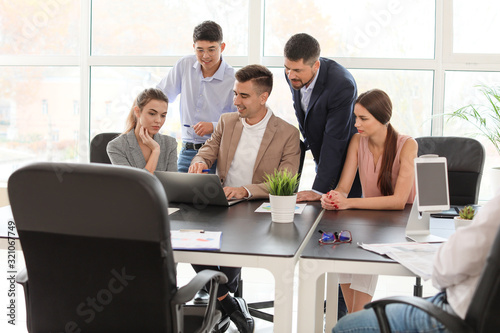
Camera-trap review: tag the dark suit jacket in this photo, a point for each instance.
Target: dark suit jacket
(328, 124)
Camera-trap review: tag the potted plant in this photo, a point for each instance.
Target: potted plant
(465, 217)
(486, 118)
(282, 186)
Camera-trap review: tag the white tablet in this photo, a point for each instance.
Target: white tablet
(431, 180)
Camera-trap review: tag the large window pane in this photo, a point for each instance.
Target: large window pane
(475, 26)
(113, 90)
(461, 90)
(360, 28)
(39, 116)
(410, 93)
(39, 27)
(158, 27)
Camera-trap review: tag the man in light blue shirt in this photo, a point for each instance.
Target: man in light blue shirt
(205, 82)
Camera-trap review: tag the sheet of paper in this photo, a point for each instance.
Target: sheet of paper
(417, 257)
(195, 240)
(266, 208)
(7, 226)
(172, 210)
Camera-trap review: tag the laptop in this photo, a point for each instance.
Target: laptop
(194, 188)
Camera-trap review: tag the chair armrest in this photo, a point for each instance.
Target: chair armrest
(187, 292)
(450, 321)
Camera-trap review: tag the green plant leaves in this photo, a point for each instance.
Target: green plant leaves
(485, 117)
(282, 182)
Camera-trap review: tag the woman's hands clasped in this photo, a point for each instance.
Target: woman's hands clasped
(334, 200)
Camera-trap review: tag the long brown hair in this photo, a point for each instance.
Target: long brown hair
(146, 96)
(379, 105)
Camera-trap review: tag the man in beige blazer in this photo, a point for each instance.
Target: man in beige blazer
(247, 145)
(279, 146)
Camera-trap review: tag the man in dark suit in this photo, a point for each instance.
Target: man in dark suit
(324, 94)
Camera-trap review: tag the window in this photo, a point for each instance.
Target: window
(39, 27)
(361, 28)
(475, 26)
(41, 126)
(157, 27)
(462, 90)
(58, 90)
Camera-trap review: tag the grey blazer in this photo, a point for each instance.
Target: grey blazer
(125, 150)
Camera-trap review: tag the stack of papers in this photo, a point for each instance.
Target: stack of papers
(195, 240)
(417, 257)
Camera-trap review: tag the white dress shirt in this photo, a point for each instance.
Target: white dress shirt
(460, 261)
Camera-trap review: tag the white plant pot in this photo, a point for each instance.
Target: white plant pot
(460, 222)
(282, 208)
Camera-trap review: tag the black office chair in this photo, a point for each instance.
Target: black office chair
(96, 241)
(482, 314)
(465, 158)
(98, 153)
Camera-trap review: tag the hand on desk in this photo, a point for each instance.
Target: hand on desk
(334, 200)
(235, 192)
(308, 196)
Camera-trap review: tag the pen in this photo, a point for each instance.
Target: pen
(186, 125)
(192, 230)
(205, 170)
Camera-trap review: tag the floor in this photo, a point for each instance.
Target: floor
(259, 285)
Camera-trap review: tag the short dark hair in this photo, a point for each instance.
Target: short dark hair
(260, 76)
(207, 30)
(302, 46)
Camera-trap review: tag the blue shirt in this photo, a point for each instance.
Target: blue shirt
(202, 99)
(306, 92)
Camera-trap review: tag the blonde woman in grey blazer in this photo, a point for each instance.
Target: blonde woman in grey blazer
(141, 146)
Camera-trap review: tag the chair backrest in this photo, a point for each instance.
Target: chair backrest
(465, 158)
(484, 309)
(98, 153)
(96, 241)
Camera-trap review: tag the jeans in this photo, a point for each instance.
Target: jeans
(185, 158)
(402, 318)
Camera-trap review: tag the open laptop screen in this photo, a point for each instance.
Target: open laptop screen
(194, 188)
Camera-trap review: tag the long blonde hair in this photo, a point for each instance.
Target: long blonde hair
(146, 96)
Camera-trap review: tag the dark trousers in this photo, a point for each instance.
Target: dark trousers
(232, 273)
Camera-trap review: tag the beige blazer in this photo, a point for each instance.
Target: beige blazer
(280, 149)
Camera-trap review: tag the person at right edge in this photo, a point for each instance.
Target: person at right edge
(324, 94)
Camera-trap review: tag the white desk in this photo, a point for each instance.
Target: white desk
(317, 260)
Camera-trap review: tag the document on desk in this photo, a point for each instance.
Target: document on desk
(7, 226)
(195, 239)
(417, 257)
(266, 208)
